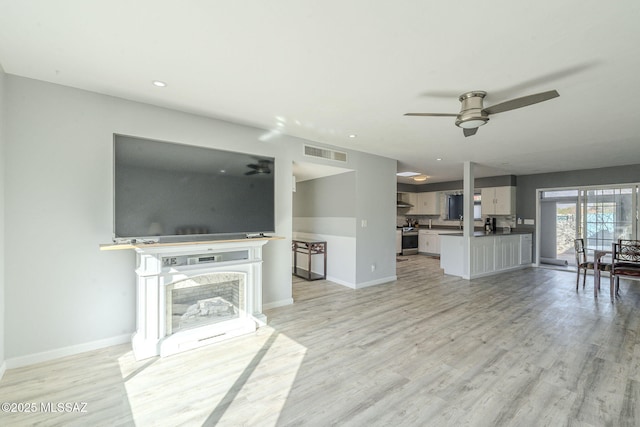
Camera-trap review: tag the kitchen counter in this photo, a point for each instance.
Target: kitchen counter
(489, 254)
(485, 234)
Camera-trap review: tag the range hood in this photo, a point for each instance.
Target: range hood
(401, 203)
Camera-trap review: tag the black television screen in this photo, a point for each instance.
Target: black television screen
(164, 189)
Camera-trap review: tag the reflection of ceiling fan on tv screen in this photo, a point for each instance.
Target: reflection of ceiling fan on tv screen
(263, 167)
(473, 114)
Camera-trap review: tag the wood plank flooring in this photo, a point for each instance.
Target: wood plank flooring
(518, 349)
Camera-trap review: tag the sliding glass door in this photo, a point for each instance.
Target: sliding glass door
(599, 215)
(608, 214)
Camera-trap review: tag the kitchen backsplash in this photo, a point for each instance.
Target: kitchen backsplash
(436, 221)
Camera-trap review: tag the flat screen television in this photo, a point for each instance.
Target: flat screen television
(177, 192)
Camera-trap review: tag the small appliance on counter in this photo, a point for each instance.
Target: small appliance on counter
(490, 225)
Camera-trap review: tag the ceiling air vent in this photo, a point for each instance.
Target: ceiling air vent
(323, 153)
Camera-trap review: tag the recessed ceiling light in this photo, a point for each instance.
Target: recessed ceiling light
(159, 83)
(353, 135)
(439, 159)
(408, 173)
(420, 178)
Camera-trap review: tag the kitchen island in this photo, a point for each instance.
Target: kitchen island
(489, 253)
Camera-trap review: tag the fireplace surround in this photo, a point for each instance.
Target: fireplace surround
(194, 294)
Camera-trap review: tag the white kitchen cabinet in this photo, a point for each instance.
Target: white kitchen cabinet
(498, 201)
(494, 253)
(398, 241)
(507, 252)
(482, 255)
(412, 199)
(525, 249)
(428, 242)
(427, 203)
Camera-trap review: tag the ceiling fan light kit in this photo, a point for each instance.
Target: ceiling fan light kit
(473, 114)
(472, 122)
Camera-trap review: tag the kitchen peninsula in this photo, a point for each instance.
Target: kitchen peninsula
(489, 253)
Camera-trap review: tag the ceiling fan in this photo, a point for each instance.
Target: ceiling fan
(473, 115)
(263, 167)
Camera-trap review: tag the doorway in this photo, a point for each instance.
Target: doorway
(558, 227)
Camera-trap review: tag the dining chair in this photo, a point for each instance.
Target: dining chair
(626, 262)
(583, 264)
(581, 261)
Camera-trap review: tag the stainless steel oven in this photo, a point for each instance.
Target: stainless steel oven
(409, 241)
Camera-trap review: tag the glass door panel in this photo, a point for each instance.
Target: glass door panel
(566, 214)
(608, 215)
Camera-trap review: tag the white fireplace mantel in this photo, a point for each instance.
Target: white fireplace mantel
(159, 265)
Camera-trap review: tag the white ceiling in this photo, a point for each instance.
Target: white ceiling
(325, 70)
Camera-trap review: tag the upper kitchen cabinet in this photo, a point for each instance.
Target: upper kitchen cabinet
(499, 201)
(427, 203)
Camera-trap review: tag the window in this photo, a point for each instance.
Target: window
(455, 206)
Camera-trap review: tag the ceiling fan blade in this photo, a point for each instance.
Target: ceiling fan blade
(543, 80)
(469, 131)
(431, 114)
(251, 173)
(521, 102)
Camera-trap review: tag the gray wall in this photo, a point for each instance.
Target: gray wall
(376, 205)
(59, 209)
(331, 196)
(2, 222)
(493, 181)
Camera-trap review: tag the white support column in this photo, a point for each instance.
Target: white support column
(467, 233)
(468, 187)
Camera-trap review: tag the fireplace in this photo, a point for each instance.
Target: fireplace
(196, 294)
(203, 300)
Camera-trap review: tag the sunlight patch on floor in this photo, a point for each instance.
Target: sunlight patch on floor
(240, 378)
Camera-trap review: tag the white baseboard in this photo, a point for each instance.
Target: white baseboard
(31, 359)
(376, 282)
(3, 369)
(341, 282)
(276, 304)
(364, 284)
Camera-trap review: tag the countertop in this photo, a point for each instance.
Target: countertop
(426, 228)
(484, 234)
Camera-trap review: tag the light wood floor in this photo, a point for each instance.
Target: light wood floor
(516, 349)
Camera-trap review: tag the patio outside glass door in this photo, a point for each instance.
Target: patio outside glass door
(608, 214)
(566, 231)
